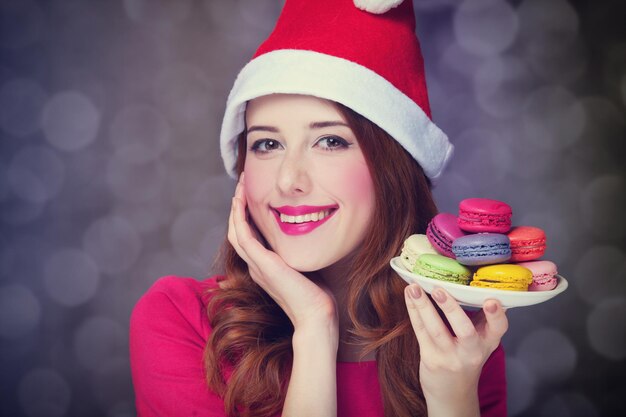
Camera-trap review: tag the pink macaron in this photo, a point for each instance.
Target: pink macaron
(483, 215)
(442, 230)
(527, 243)
(544, 275)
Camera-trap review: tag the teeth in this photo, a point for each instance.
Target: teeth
(311, 217)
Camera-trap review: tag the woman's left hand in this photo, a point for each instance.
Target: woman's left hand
(450, 364)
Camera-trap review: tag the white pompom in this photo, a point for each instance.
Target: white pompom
(377, 6)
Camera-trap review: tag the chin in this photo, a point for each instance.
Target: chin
(305, 263)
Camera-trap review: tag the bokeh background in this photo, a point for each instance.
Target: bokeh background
(110, 177)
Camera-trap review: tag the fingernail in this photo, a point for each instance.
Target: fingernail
(415, 291)
(439, 296)
(491, 307)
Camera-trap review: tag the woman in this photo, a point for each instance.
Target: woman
(309, 319)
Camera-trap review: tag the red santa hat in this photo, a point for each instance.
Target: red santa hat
(363, 54)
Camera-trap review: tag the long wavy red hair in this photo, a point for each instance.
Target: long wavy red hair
(248, 354)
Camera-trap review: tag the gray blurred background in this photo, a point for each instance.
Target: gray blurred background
(110, 177)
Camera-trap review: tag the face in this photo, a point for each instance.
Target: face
(308, 187)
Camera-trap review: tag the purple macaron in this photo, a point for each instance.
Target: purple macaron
(442, 230)
(482, 249)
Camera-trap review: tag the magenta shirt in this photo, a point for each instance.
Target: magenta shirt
(168, 333)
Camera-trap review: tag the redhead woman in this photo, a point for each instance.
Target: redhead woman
(334, 150)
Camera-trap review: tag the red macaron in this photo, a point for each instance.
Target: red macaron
(527, 243)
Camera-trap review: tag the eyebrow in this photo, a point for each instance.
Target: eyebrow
(313, 125)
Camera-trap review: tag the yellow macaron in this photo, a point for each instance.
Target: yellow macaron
(503, 277)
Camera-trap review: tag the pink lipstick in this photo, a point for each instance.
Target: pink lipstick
(300, 220)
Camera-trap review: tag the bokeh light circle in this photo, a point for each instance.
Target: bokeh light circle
(600, 273)
(113, 243)
(147, 217)
(36, 174)
(568, 404)
(44, 392)
(484, 153)
(98, 341)
(548, 354)
(21, 103)
(452, 188)
(70, 121)
(521, 382)
(603, 204)
(158, 12)
(71, 277)
(501, 85)
(554, 118)
(544, 21)
(227, 18)
(139, 134)
(20, 311)
(605, 328)
(549, 34)
(215, 193)
(135, 183)
(485, 27)
(183, 93)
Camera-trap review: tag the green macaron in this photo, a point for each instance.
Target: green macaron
(442, 268)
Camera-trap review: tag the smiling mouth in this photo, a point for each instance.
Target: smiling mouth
(305, 218)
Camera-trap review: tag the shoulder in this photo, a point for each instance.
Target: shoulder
(175, 304)
(169, 328)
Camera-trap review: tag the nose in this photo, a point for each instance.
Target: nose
(293, 176)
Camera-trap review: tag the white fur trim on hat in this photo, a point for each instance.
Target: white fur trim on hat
(377, 6)
(291, 71)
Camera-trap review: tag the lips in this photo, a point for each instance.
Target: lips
(299, 220)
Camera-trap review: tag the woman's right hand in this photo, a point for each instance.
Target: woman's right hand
(311, 309)
(304, 302)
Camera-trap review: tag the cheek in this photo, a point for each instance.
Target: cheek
(257, 181)
(354, 182)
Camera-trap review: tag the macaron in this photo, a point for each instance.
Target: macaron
(482, 249)
(442, 230)
(502, 277)
(478, 215)
(527, 243)
(544, 275)
(415, 246)
(442, 268)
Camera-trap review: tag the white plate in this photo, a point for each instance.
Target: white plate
(475, 297)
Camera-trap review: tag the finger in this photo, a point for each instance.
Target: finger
(496, 322)
(411, 293)
(262, 258)
(432, 323)
(232, 235)
(232, 230)
(461, 324)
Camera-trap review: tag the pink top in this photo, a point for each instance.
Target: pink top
(168, 332)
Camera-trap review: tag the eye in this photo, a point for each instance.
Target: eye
(332, 143)
(265, 145)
